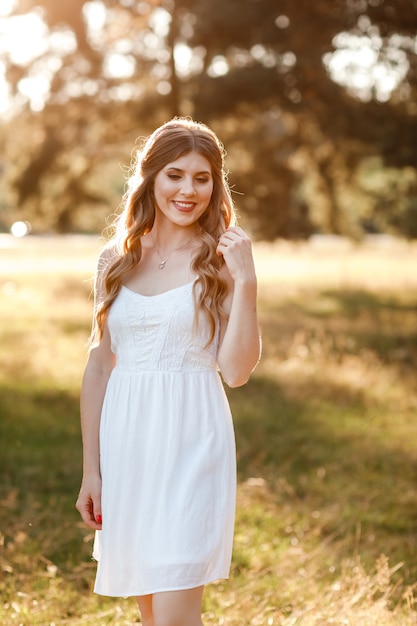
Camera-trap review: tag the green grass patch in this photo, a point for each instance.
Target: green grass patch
(326, 440)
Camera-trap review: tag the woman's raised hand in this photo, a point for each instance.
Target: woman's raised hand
(236, 248)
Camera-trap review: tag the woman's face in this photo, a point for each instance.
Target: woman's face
(183, 189)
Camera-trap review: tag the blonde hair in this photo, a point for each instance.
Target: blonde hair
(169, 142)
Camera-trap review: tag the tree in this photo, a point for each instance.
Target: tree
(261, 72)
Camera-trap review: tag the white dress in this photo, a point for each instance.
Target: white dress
(167, 447)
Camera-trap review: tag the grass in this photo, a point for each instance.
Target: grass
(326, 438)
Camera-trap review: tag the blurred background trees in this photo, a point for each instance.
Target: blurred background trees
(315, 102)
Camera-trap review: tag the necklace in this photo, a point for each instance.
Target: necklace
(163, 261)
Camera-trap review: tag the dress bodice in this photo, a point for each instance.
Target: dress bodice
(158, 332)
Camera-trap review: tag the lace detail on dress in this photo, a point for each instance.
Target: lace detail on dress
(157, 332)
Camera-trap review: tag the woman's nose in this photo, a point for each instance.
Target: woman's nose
(187, 187)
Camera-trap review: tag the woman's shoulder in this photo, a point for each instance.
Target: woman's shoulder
(108, 253)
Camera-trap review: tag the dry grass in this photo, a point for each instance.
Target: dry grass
(326, 435)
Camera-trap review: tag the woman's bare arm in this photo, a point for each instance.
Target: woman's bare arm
(240, 344)
(100, 363)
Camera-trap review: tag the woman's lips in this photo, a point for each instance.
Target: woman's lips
(185, 207)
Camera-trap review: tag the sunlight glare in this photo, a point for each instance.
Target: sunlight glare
(282, 22)
(20, 229)
(24, 37)
(219, 66)
(36, 90)
(159, 21)
(95, 14)
(119, 65)
(6, 7)
(182, 55)
(163, 87)
(4, 90)
(366, 66)
(62, 42)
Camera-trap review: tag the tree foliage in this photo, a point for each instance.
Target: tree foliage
(310, 145)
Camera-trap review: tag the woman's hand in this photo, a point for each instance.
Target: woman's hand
(89, 502)
(236, 248)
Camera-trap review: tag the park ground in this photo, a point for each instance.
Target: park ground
(326, 435)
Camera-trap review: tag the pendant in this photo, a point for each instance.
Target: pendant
(162, 265)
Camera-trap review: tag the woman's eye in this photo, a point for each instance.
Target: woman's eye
(202, 180)
(173, 176)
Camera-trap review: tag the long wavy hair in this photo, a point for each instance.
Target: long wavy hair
(169, 142)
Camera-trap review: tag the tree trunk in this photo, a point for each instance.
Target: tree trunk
(174, 96)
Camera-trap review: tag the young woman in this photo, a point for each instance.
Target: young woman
(175, 303)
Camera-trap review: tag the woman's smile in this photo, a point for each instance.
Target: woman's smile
(184, 206)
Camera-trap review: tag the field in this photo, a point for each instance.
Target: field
(326, 436)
